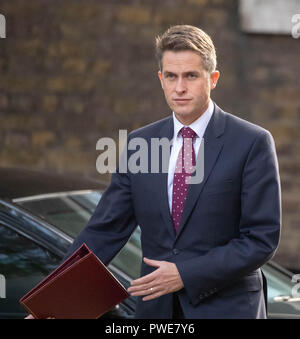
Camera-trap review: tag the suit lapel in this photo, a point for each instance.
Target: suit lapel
(162, 180)
(213, 143)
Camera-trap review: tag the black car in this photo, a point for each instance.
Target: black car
(41, 214)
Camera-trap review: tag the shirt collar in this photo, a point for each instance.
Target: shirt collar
(199, 125)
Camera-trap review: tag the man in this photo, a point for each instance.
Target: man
(203, 243)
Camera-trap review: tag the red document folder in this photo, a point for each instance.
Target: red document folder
(81, 287)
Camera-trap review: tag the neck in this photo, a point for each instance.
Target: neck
(189, 119)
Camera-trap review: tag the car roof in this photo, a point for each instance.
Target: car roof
(22, 182)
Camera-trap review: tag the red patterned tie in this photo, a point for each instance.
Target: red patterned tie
(183, 171)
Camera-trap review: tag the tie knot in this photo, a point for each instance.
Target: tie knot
(187, 132)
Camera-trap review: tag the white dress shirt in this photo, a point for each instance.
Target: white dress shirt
(199, 127)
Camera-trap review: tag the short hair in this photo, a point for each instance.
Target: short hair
(186, 37)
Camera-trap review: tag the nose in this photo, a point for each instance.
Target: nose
(180, 86)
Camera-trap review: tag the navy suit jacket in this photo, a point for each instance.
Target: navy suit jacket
(230, 225)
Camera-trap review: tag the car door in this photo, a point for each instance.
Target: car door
(29, 251)
(23, 263)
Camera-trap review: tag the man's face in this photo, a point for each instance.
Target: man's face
(186, 84)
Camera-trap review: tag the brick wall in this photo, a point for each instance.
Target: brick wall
(74, 71)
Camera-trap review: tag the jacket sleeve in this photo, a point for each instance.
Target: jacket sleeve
(112, 222)
(260, 222)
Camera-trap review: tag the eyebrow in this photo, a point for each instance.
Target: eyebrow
(184, 73)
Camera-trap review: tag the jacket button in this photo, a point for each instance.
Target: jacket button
(175, 251)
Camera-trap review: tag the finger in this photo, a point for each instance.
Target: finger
(144, 280)
(153, 296)
(149, 277)
(151, 262)
(141, 287)
(146, 291)
(30, 316)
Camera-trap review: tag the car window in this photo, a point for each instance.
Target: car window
(129, 258)
(69, 211)
(23, 264)
(279, 284)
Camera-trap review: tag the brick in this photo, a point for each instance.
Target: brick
(62, 158)
(290, 204)
(20, 158)
(30, 47)
(77, 11)
(49, 103)
(68, 48)
(3, 102)
(197, 2)
(133, 15)
(260, 74)
(101, 67)
(16, 140)
(74, 65)
(70, 83)
(73, 104)
(42, 138)
(3, 63)
(175, 15)
(13, 83)
(72, 143)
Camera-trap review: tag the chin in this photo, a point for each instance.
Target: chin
(186, 117)
(184, 112)
(183, 116)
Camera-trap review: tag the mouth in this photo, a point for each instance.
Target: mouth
(182, 101)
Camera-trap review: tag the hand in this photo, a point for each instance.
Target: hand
(30, 316)
(165, 279)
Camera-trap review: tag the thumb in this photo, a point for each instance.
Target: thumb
(153, 263)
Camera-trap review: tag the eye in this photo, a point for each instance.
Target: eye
(192, 76)
(170, 76)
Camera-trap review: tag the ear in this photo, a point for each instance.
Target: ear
(161, 79)
(214, 77)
